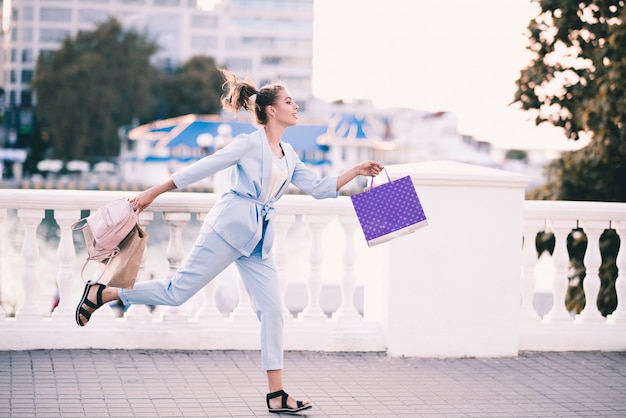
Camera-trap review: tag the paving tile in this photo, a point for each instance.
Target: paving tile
(144, 383)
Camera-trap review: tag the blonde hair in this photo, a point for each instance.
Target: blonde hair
(244, 95)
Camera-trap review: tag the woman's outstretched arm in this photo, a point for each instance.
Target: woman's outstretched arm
(366, 168)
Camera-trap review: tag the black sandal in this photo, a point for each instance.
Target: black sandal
(84, 301)
(284, 408)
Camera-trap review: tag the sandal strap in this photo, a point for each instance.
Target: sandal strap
(98, 298)
(99, 294)
(84, 313)
(276, 395)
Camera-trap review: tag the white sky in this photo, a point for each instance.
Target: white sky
(456, 55)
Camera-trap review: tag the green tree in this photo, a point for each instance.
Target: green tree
(576, 81)
(195, 87)
(96, 82)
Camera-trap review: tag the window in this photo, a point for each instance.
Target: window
(27, 76)
(27, 34)
(26, 99)
(204, 42)
(92, 15)
(204, 21)
(287, 61)
(257, 41)
(167, 2)
(12, 76)
(53, 35)
(46, 53)
(28, 13)
(293, 25)
(55, 14)
(27, 55)
(239, 64)
(275, 4)
(131, 1)
(13, 55)
(271, 60)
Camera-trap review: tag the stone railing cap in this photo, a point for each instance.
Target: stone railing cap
(451, 171)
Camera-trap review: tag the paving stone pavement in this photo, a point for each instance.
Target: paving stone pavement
(139, 383)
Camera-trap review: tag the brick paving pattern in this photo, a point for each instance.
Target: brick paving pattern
(105, 383)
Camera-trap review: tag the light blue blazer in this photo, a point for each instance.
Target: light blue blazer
(239, 214)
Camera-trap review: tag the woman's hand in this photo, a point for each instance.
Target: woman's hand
(145, 198)
(370, 168)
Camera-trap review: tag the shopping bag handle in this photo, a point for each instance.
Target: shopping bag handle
(372, 182)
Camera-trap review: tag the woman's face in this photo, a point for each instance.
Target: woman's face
(284, 110)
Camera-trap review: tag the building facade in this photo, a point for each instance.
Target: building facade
(268, 40)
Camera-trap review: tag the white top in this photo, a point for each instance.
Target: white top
(279, 176)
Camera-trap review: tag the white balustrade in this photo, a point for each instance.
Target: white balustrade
(199, 324)
(560, 329)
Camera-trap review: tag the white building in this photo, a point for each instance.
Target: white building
(268, 40)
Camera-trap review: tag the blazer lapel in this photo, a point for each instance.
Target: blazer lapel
(266, 164)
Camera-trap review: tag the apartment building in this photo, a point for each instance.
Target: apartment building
(268, 40)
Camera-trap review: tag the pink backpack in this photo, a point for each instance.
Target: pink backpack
(104, 230)
(109, 225)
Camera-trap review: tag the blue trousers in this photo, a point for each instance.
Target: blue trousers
(209, 256)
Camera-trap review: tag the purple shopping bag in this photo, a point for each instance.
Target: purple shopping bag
(388, 211)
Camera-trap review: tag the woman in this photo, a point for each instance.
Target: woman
(239, 227)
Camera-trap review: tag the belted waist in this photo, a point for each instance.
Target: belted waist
(267, 208)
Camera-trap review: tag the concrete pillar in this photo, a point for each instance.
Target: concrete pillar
(454, 286)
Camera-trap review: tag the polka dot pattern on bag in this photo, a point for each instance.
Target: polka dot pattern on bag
(387, 208)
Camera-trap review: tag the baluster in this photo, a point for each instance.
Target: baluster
(3, 215)
(30, 218)
(243, 312)
(281, 255)
(175, 222)
(592, 260)
(619, 315)
(313, 310)
(559, 313)
(141, 312)
(209, 311)
(67, 254)
(347, 310)
(529, 253)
